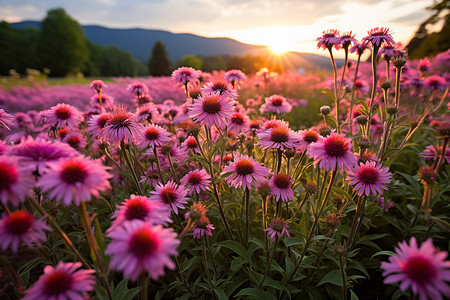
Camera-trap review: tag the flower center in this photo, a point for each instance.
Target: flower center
(73, 141)
(194, 178)
(57, 282)
(62, 113)
(202, 222)
(335, 146)
(211, 105)
(19, 222)
(74, 172)
(282, 181)
(119, 120)
(151, 134)
(311, 136)
(8, 176)
(244, 167)
(168, 195)
(136, 209)
(191, 143)
(279, 135)
(368, 174)
(277, 102)
(101, 121)
(277, 224)
(220, 86)
(420, 269)
(237, 119)
(143, 243)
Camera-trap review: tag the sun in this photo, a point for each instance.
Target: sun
(279, 48)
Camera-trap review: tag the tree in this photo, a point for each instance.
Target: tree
(191, 61)
(62, 44)
(159, 63)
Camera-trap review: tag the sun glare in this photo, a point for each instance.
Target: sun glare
(279, 48)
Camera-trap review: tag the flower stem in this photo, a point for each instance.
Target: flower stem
(144, 286)
(374, 87)
(269, 263)
(247, 213)
(357, 221)
(133, 173)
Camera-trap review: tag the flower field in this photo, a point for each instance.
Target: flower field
(228, 185)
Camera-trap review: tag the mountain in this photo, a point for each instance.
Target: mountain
(139, 43)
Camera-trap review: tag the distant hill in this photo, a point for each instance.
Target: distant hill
(139, 43)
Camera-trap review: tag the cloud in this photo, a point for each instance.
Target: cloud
(414, 18)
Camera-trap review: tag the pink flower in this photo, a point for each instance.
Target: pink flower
(197, 180)
(332, 152)
(75, 179)
(148, 112)
(276, 104)
(435, 83)
(142, 208)
(190, 144)
(107, 101)
(234, 76)
(97, 124)
(184, 75)
(239, 123)
(429, 153)
(359, 48)
(210, 109)
(63, 282)
(97, 85)
(244, 171)
(221, 87)
(386, 204)
(379, 35)
(202, 226)
(139, 246)
(171, 195)
(278, 227)
(328, 39)
(21, 227)
(121, 126)
(137, 89)
(281, 185)
(369, 177)
(308, 137)
(280, 137)
(153, 136)
(423, 269)
(6, 120)
(347, 38)
(15, 182)
(62, 115)
(75, 140)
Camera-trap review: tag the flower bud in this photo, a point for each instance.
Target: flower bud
(427, 174)
(386, 85)
(361, 120)
(310, 187)
(392, 110)
(324, 130)
(325, 110)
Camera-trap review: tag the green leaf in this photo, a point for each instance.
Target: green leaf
(329, 93)
(333, 277)
(131, 294)
(341, 192)
(121, 289)
(220, 294)
(254, 293)
(238, 248)
(384, 252)
(293, 241)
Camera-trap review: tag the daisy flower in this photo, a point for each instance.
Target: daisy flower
(346, 39)
(184, 75)
(21, 227)
(435, 83)
(63, 115)
(15, 182)
(202, 226)
(75, 139)
(244, 171)
(276, 104)
(121, 126)
(63, 282)
(153, 136)
(6, 120)
(423, 269)
(328, 39)
(221, 87)
(212, 109)
(97, 124)
(308, 137)
(278, 227)
(171, 195)
(369, 177)
(97, 85)
(75, 179)
(137, 89)
(379, 35)
(332, 152)
(234, 77)
(140, 207)
(359, 48)
(139, 246)
(197, 180)
(280, 137)
(190, 144)
(239, 123)
(281, 185)
(148, 112)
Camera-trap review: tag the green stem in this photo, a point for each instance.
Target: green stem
(247, 213)
(158, 165)
(133, 173)
(336, 96)
(374, 87)
(357, 220)
(144, 286)
(344, 279)
(269, 263)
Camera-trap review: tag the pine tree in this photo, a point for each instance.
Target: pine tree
(159, 63)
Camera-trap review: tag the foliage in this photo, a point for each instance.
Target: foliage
(191, 61)
(159, 63)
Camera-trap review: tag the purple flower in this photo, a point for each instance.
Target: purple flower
(279, 137)
(63, 115)
(369, 177)
(197, 180)
(328, 39)
(121, 126)
(210, 109)
(379, 35)
(202, 226)
(281, 185)
(15, 182)
(171, 195)
(332, 152)
(6, 120)
(277, 228)
(221, 87)
(184, 75)
(153, 136)
(244, 171)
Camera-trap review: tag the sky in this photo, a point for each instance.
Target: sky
(281, 24)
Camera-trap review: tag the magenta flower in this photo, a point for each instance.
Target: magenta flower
(148, 112)
(121, 126)
(6, 120)
(15, 182)
(346, 39)
(63, 282)
(184, 75)
(190, 144)
(202, 226)
(21, 227)
(137, 89)
(75, 179)
(97, 124)
(139, 246)
(234, 77)
(429, 153)
(221, 87)
(63, 115)
(369, 177)
(210, 109)
(332, 152)
(280, 137)
(153, 136)
(75, 139)
(328, 39)
(238, 123)
(379, 35)
(97, 85)
(281, 185)
(107, 101)
(278, 227)
(423, 269)
(35, 154)
(276, 104)
(244, 171)
(435, 83)
(308, 137)
(171, 195)
(142, 208)
(197, 180)
(386, 204)
(359, 48)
